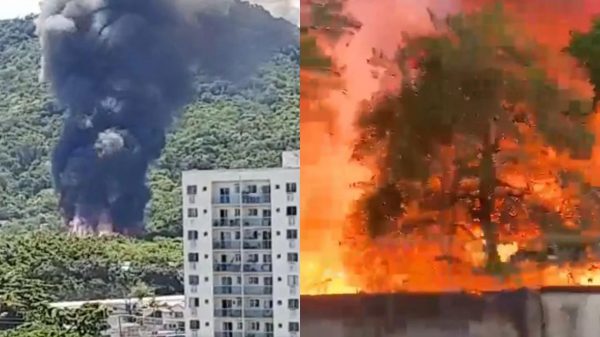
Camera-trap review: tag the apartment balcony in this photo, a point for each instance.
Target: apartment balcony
(257, 222)
(228, 312)
(294, 267)
(242, 198)
(258, 334)
(227, 267)
(258, 313)
(230, 199)
(258, 290)
(222, 244)
(257, 244)
(256, 198)
(227, 222)
(227, 290)
(229, 334)
(258, 267)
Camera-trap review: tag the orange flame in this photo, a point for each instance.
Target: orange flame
(337, 258)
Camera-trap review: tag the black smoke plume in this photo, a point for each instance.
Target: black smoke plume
(122, 68)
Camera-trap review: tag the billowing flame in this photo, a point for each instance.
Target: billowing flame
(339, 258)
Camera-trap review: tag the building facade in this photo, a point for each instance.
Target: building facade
(241, 246)
(161, 316)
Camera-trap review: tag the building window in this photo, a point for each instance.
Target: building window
(255, 326)
(294, 327)
(224, 196)
(236, 188)
(192, 212)
(290, 187)
(192, 190)
(292, 280)
(194, 325)
(253, 258)
(226, 280)
(240, 325)
(269, 327)
(254, 303)
(291, 211)
(252, 212)
(193, 257)
(238, 212)
(267, 258)
(292, 257)
(266, 213)
(192, 235)
(194, 302)
(194, 280)
(268, 281)
(292, 234)
(253, 280)
(293, 304)
(251, 189)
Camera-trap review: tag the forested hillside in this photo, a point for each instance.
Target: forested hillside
(239, 121)
(244, 114)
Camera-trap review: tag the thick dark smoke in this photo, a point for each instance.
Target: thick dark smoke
(122, 68)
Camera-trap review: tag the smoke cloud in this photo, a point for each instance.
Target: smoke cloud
(122, 68)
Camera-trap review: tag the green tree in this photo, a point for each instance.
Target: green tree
(463, 91)
(584, 47)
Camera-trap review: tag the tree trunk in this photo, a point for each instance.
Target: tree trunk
(487, 186)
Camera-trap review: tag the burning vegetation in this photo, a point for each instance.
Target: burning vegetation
(483, 154)
(122, 69)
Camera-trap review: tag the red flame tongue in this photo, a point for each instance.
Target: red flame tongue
(90, 221)
(79, 226)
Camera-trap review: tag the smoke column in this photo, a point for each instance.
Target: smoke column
(122, 68)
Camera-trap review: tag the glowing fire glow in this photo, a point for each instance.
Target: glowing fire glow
(429, 260)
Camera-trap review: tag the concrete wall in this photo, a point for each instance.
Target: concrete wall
(571, 312)
(510, 314)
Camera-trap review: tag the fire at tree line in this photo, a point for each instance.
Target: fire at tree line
(482, 163)
(215, 110)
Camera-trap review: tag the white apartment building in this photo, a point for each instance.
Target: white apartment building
(241, 246)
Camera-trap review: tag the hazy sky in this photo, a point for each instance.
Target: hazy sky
(16, 8)
(289, 9)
